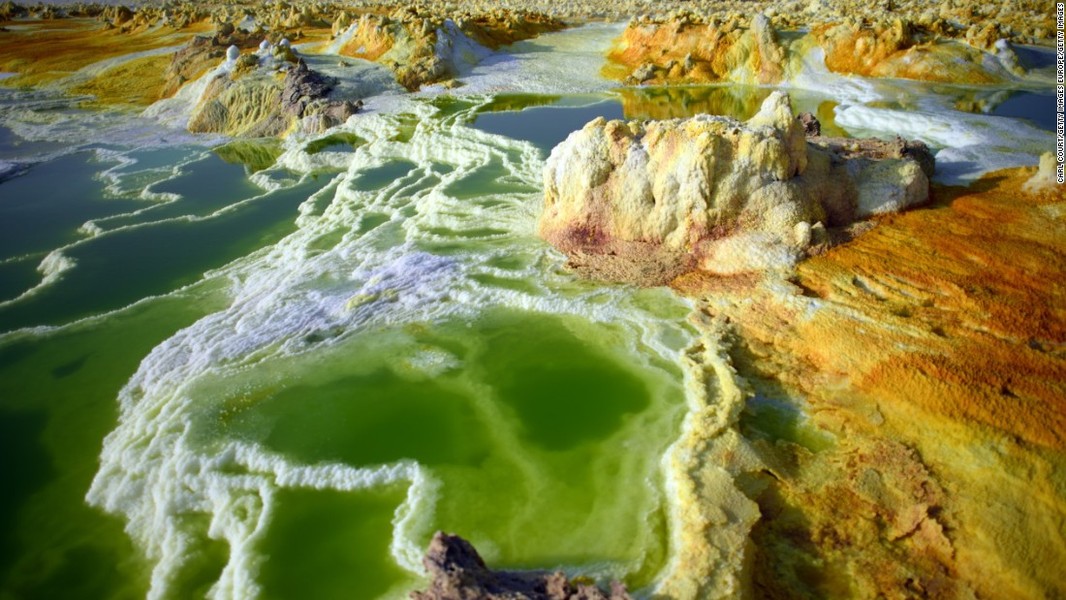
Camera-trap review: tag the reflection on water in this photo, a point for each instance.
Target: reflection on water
(254, 155)
(544, 126)
(548, 120)
(737, 101)
(1035, 107)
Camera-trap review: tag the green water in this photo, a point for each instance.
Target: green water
(228, 181)
(349, 556)
(283, 394)
(519, 419)
(44, 208)
(540, 431)
(57, 401)
(157, 258)
(557, 116)
(554, 123)
(338, 142)
(17, 276)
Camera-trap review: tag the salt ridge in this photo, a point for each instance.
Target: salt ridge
(151, 471)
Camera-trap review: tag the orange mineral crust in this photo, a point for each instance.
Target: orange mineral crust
(897, 49)
(975, 293)
(930, 357)
(680, 51)
(46, 51)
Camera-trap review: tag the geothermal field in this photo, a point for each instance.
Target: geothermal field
(532, 299)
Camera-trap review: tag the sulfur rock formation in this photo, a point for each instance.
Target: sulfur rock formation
(424, 47)
(251, 100)
(715, 193)
(901, 49)
(682, 51)
(686, 48)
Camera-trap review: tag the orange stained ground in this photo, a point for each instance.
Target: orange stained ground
(941, 333)
(974, 290)
(43, 51)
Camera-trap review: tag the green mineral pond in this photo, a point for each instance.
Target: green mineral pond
(274, 370)
(393, 327)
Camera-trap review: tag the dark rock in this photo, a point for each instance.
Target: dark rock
(340, 111)
(303, 86)
(306, 94)
(457, 573)
(811, 125)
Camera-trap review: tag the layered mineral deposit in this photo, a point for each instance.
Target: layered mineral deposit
(906, 397)
(425, 47)
(901, 49)
(681, 51)
(716, 194)
(249, 100)
(686, 49)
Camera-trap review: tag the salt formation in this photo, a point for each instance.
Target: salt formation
(422, 47)
(902, 50)
(717, 193)
(250, 101)
(690, 49)
(928, 348)
(679, 51)
(1044, 178)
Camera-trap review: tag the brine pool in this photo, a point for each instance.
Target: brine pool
(274, 370)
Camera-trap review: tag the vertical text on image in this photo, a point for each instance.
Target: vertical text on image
(1060, 91)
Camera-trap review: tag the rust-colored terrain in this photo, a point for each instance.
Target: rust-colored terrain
(933, 348)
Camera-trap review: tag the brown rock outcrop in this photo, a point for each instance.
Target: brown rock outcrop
(457, 572)
(258, 105)
(199, 55)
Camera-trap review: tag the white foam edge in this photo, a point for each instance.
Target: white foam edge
(410, 522)
(36, 331)
(56, 262)
(113, 178)
(52, 267)
(164, 372)
(11, 169)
